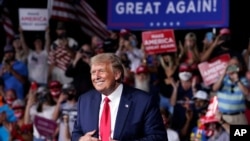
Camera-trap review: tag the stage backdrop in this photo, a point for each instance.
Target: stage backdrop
(174, 14)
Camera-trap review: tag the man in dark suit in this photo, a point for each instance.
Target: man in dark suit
(116, 112)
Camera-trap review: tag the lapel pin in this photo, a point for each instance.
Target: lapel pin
(126, 105)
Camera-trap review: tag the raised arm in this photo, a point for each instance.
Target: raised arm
(23, 42)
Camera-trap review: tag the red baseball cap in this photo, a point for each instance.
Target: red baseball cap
(124, 32)
(184, 68)
(142, 69)
(225, 31)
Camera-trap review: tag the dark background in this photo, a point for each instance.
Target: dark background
(238, 22)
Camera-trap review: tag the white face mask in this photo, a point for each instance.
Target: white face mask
(185, 76)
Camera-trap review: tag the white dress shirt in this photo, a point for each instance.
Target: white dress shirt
(113, 104)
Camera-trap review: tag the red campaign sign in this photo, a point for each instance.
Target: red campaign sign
(211, 111)
(210, 71)
(159, 41)
(45, 127)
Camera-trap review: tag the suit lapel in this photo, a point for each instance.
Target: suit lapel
(95, 107)
(124, 107)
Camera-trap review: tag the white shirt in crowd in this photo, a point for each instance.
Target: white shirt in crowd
(46, 113)
(172, 135)
(38, 66)
(113, 104)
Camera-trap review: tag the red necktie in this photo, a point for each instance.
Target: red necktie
(105, 125)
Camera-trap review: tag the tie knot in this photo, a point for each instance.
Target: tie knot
(106, 100)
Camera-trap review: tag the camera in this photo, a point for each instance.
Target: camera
(232, 68)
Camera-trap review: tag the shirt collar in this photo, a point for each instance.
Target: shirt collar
(115, 94)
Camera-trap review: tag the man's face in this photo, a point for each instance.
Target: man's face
(104, 78)
(10, 97)
(199, 103)
(142, 81)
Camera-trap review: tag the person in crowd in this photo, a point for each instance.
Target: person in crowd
(7, 118)
(66, 106)
(96, 44)
(9, 97)
(172, 134)
(21, 52)
(134, 54)
(14, 73)
(5, 134)
(116, 107)
(38, 58)
(167, 74)
(55, 90)
(222, 45)
(215, 130)
(62, 31)
(9, 113)
(207, 41)
(128, 74)
(86, 48)
(183, 121)
(198, 132)
(59, 59)
(189, 51)
(143, 80)
(39, 103)
(201, 101)
(21, 131)
(79, 70)
(231, 88)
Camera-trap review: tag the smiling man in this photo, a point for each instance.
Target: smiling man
(114, 111)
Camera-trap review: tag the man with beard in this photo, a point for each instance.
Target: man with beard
(66, 106)
(142, 78)
(14, 73)
(142, 81)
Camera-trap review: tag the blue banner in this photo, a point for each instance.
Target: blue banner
(175, 14)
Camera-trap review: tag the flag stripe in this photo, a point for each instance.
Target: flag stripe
(7, 25)
(97, 25)
(85, 21)
(90, 24)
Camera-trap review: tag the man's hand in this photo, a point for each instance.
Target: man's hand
(88, 136)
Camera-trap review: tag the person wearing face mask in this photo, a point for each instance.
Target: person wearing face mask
(55, 88)
(7, 117)
(66, 106)
(21, 131)
(184, 121)
(10, 97)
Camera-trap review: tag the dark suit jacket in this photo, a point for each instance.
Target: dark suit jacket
(138, 117)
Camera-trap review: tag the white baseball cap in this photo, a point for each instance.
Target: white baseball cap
(201, 95)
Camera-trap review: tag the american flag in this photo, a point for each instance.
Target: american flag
(7, 25)
(79, 11)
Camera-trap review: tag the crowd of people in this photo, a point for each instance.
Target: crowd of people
(46, 80)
